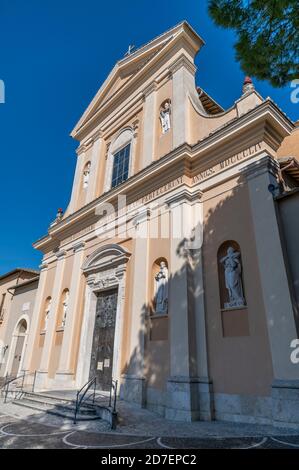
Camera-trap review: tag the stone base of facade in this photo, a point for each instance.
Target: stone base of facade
(62, 381)
(41, 380)
(285, 403)
(132, 389)
(243, 408)
(182, 400)
(206, 399)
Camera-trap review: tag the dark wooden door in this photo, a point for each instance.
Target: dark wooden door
(17, 356)
(103, 339)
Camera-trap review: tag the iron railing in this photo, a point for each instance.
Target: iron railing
(97, 398)
(113, 395)
(81, 395)
(20, 383)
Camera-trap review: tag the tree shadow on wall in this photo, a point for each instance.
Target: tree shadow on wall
(237, 362)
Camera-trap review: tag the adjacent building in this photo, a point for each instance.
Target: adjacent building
(17, 294)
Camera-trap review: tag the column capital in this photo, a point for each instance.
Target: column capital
(265, 165)
(184, 195)
(60, 254)
(149, 89)
(43, 266)
(79, 246)
(182, 62)
(141, 216)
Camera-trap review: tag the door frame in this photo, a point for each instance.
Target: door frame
(103, 291)
(105, 269)
(14, 343)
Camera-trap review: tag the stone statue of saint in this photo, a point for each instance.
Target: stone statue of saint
(47, 313)
(65, 307)
(86, 174)
(233, 278)
(161, 290)
(165, 117)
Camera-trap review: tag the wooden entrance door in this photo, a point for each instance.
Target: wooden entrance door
(103, 339)
(17, 356)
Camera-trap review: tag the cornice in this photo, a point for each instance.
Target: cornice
(182, 61)
(185, 152)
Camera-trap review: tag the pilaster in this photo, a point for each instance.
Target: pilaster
(275, 289)
(42, 374)
(66, 369)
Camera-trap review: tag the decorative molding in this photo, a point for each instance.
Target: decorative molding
(78, 247)
(141, 216)
(43, 266)
(266, 165)
(182, 62)
(60, 254)
(184, 195)
(149, 90)
(104, 258)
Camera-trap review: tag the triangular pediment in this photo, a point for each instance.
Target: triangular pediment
(129, 67)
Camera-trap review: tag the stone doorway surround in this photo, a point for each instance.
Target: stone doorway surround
(105, 269)
(12, 350)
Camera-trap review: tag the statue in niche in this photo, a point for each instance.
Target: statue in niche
(86, 174)
(161, 289)
(165, 112)
(65, 308)
(233, 278)
(47, 313)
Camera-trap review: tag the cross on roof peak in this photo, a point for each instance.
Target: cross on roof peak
(130, 49)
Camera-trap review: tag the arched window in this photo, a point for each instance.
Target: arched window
(46, 316)
(86, 174)
(230, 275)
(119, 160)
(120, 169)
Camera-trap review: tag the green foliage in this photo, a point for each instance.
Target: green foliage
(267, 31)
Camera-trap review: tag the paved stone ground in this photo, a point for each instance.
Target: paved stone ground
(24, 428)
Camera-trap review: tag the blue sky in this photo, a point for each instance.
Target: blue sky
(54, 55)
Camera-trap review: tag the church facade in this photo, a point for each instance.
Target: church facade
(167, 272)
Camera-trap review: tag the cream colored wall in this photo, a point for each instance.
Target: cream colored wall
(22, 295)
(58, 335)
(238, 364)
(157, 366)
(5, 284)
(39, 340)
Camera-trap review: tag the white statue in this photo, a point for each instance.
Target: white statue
(165, 117)
(47, 313)
(65, 308)
(233, 278)
(161, 290)
(86, 174)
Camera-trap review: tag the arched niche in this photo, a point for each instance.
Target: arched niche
(230, 275)
(46, 314)
(86, 175)
(165, 116)
(156, 268)
(63, 308)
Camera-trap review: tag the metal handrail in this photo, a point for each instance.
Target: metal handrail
(79, 399)
(113, 387)
(19, 377)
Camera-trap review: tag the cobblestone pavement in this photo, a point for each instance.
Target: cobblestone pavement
(22, 428)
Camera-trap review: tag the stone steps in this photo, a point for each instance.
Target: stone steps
(63, 407)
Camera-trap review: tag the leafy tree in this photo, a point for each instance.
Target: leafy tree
(267, 31)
